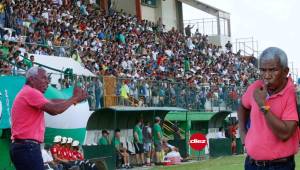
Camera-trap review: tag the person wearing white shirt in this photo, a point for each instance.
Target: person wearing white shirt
(48, 160)
(221, 133)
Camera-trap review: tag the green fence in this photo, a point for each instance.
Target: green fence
(222, 147)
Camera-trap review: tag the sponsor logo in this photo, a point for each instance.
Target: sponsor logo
(198, 141)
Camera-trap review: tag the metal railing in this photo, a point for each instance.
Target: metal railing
(171, 94)
(248, 46)
(63, 79)
(208, 26)
(61, 51)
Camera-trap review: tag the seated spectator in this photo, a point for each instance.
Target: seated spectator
(76, 154)
(221, 133)
(78, 158)
(61, 153)
(174, 156)
(171, 153)
(104, 140)
(121, 149)
(49, 163)
(56, 149)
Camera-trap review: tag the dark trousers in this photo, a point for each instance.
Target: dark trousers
(26, 155)
(289, 165)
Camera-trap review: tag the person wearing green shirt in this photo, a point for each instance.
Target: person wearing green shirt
(122, 151)
(157, 137)
(186, 64)
(138, 143)
(104, 139)
(26, 61)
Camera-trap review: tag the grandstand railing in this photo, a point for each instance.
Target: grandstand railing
(203, 97)
(208, 26)
(148, 93)
(61, 51)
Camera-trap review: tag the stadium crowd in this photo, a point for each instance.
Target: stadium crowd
(165, 68)
(120, 45)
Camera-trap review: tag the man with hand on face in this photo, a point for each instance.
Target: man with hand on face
(28, 123)
(271, 140)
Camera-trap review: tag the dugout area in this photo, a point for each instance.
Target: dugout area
(124, 118)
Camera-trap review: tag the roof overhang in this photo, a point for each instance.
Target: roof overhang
(207, 8)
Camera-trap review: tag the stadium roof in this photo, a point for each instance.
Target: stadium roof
(207, 8)
(124, 117)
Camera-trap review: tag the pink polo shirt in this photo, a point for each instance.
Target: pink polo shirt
(27, 118)
(260, 142)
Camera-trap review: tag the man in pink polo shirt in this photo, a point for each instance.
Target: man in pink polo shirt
(269, 106)
(28, 123)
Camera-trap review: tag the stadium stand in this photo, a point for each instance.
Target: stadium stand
(118, 44)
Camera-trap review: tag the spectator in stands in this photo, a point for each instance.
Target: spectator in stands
(28, 63)
(270, 103)
(138, 143)
(98, 92)
(157, 138)
(124, 96)
(228, 46)
(6, 68)
(188, 29)
(149, 51)
(104, 140)
(32, 60)
(121, 149)
(147, 140)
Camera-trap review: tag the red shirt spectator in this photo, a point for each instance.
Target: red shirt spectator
(55, 149)
(77, 155)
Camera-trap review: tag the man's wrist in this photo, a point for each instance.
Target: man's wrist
(261, 104)
(265, 109)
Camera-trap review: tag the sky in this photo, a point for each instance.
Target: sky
(270, 22)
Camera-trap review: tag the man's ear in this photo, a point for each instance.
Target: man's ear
(286, 71)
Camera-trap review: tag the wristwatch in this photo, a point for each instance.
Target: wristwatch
(265, 109)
